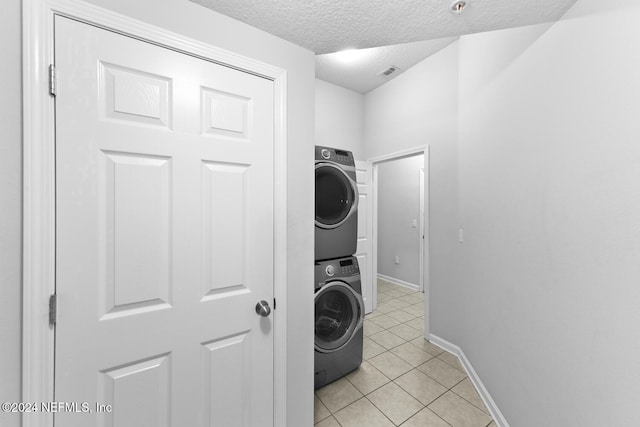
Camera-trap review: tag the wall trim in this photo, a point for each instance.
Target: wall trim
(39, 185)
(400, 154)
(399, 282)
(491, 405)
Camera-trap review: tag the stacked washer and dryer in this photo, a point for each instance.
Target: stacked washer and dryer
(339, 308)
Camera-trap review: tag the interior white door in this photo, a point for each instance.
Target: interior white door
(365, 234)
(164, 235)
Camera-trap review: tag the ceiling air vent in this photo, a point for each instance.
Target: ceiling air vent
(386, 73)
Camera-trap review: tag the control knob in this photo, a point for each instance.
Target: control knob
(330, 270)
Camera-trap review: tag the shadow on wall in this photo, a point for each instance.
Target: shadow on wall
(510, 50)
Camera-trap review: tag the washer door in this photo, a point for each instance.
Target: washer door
(339, 314)
(336, 195)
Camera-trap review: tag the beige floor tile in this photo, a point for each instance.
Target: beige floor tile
(373, 315)
(390, 365)
(401, 316)
(492, 424)
(411, 354)
(420, 386)
(406, 332)
(328, 422)
(384, 297)
(385, 321)
(362, 413)
(371, 328)
(387, 339)
(419, 298)
(367, 378)
(425, 345)
(395, 292)
(416, 323)
(338, 394)
(320, 412)
(405, 291)
(371, 348)
(445, 374)
(385, 307)
(395, 403)
(414, 309)
(397, 303)
(425, 418)
(383, 287)
(410, 299)
(451, 359)
(458, 412)
(467, 391)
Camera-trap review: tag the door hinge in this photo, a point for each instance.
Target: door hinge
(53, 309)
(53, 80)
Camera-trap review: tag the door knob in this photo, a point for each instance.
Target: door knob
(263, 309)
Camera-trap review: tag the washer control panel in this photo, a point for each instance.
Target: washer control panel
(349, 267)
(335, 155)
(337, 268)
(330, 270)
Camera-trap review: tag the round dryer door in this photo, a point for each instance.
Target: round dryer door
(339, 314)
(336, 195)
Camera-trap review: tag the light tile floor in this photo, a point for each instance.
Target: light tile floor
(404, 380)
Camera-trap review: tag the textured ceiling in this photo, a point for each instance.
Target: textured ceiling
(326, 26)
(361, 72)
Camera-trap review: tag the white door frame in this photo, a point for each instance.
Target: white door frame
(424, 222)
(421, 282)
(39, 185)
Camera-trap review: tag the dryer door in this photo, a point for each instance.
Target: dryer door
(339, 314)
(336, 195)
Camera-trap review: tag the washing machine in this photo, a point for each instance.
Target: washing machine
(336, 230)
(339, 315)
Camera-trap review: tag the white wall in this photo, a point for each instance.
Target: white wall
(398, 205)
(548, 306)
(339, 118)
(10, 208)
(543, 295)
(418, 108)
(194, 21)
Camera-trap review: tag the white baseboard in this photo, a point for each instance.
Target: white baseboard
(398, 282)
(499, 419)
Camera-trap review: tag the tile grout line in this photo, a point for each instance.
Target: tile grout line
(387, 417)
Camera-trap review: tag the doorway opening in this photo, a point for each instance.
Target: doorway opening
(400, 215)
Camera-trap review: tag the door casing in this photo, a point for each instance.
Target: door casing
(424, 223)
(39, 185)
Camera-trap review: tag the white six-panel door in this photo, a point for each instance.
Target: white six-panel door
(365, 234)
(164, 230)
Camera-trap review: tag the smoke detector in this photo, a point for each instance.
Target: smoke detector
(387, 72)
(457, 7)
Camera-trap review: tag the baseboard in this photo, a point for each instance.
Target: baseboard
(398, 282)
(499, 419)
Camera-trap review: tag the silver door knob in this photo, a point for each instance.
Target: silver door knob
(263, 309)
